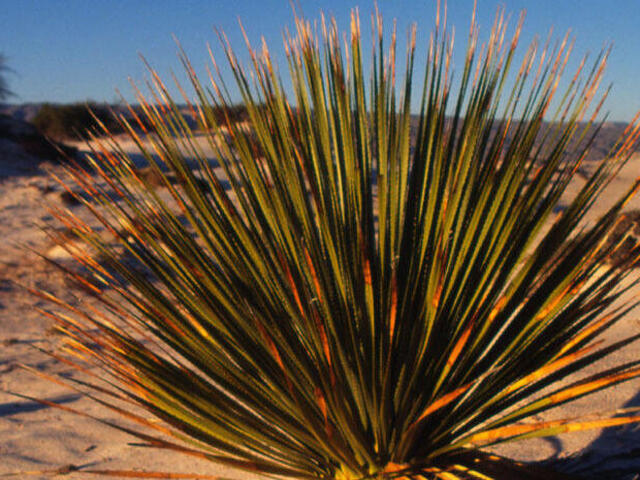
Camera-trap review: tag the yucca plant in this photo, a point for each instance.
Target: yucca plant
(354, 291)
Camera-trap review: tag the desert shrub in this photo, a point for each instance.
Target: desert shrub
(235, 113)
(73, 120)
(221, 114)
(354, 303)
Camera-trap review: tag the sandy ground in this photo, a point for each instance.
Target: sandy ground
(37, 438)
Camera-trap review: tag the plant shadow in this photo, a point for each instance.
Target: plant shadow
(15, 408)
(613, 455)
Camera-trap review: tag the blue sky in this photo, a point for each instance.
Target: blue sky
(75, 50)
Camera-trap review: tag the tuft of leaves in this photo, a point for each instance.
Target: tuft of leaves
(5, 92)
(352, 292)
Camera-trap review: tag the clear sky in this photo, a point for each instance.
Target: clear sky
(76, 50)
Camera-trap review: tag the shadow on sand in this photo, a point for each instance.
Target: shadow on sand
(14, 408)
(613, 455)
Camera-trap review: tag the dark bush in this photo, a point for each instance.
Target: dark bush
(236, 113)
(72, 121)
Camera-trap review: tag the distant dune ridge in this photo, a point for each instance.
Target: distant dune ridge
(22, 111)
(605, 139)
